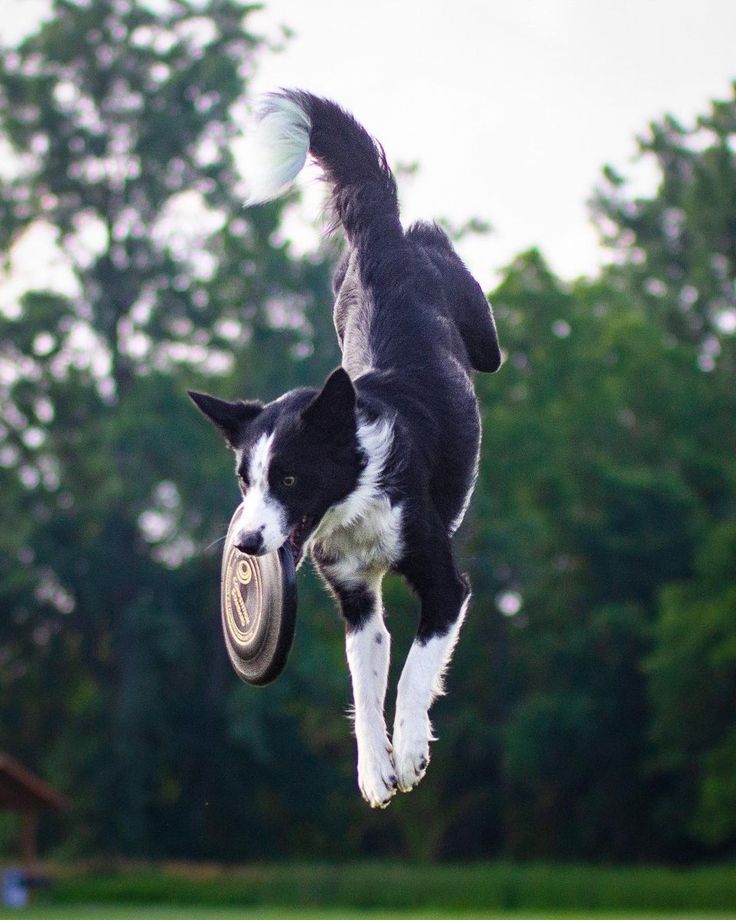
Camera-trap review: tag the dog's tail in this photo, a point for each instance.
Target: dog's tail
(293, 123)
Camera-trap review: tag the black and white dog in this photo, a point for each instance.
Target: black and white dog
(374, 472)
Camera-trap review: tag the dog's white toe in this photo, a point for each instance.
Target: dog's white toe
(411, 750)
(377, 777)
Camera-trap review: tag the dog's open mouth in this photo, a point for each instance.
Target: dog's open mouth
(297, 538)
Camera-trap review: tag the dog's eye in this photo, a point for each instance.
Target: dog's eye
(288, 481)
(243, 482)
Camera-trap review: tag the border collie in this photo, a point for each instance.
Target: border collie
(374, 472)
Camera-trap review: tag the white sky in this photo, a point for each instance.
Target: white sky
(510, 108)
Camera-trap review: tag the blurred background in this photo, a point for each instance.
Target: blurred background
(591, 714)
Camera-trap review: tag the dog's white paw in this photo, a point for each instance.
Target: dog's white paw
(376, 775)
(411, 749)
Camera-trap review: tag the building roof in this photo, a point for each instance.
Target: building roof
(21, 790)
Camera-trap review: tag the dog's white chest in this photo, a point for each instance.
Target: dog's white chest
(361, 538)
(356, 546)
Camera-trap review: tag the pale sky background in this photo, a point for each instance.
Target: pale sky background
(510, 108)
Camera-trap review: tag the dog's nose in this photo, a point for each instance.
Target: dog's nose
(250, 543)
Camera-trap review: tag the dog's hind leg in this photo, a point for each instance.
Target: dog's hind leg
(444, 596)
(368, 647)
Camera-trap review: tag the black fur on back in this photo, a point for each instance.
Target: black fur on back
(411, 320)
(416, 278)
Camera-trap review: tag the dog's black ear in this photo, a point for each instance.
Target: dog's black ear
(333, 409)
(230, 417)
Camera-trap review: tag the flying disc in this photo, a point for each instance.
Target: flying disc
(258, 608)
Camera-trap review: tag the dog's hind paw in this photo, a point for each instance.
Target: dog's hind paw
(377, 778)
(411, 752)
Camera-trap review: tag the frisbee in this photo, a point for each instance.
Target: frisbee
(258, 609)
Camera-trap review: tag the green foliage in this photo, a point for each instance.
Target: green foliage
(679, 245)
(692, 672)
(677, 260)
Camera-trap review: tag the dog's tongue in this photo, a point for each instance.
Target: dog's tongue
(296, 550)
(296, 539)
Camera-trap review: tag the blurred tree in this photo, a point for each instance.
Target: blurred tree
(692, 672)
(603, 462)
(121, 122)
(678, 246)
(677, 255)
(561, 537)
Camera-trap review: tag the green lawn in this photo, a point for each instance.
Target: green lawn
(387, 891)
(110, 912)
(391, 890)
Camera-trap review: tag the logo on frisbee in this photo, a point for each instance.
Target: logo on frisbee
(242, 596)
(244, 571)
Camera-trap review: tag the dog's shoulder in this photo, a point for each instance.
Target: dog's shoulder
(364, 532)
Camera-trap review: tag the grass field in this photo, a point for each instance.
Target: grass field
(112, 912)
(394, 889)
(383, 891)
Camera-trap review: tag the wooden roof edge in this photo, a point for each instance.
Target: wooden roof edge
(47, 795)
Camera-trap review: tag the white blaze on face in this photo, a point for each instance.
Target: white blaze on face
(260, 511)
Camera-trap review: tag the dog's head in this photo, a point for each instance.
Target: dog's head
(295, 458)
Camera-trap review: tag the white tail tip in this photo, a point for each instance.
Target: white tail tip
(276, 148)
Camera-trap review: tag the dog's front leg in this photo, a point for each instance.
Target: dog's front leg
(444, 604)
(368, 647)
